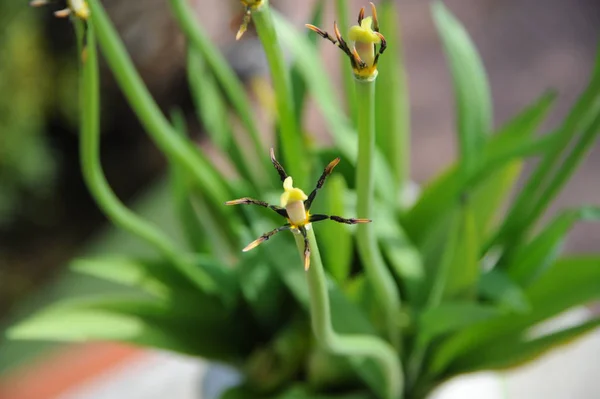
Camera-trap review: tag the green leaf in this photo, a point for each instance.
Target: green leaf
(155, 278)
(335, 237)
(319, 86)
(180, 187)
(472, 93)
(298, 84)
(497, 287)
(392, 105)
(500, 155)
(569, 282)
(516, 352)
(209, 102)
(532, 259)
(224, 74)
(341, 13)
(141, 322)
(452, 316)
(464, 267)
(575, 137)
(263, 290)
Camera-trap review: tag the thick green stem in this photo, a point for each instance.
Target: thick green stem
(376, 270)
(293, 147)
(348, 345)
(94, 178)
(228, 80)
(148, 112)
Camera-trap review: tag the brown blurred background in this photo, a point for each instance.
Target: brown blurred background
(527, 46)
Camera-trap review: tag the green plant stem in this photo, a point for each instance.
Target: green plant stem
(341, 11)
(376, 270)
(349, 345)
(293, 147)
(94, 178)
(228, 80)
(148, 112)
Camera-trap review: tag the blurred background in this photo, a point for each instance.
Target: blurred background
(46, 214)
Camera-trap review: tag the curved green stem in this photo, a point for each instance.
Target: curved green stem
(148, 112)
(293, 147)
(376, 270)
(350, 345)
(228, 80)
(94, 178)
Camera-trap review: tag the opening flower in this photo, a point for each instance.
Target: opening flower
(295, 207)
(367, 44)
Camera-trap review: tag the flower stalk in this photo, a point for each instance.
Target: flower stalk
(370, 254)
(293, 146)
(349, 345)
(96, 182)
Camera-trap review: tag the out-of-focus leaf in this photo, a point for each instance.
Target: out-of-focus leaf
(300, 392)
(391, 112)
(516, 352)
(226, 77)
(319, 86)
(452, 316)
(472, 93)
(154, 278)
(464, 268)
(263, 290)
(195, 234)
(210, 105)
(142, 322)
(569, 282)
(335, 237)
(341, 13)
(157, 277)
(511, 142)
(576, 135)
(298, 83)
(530, 260)
(497, 287)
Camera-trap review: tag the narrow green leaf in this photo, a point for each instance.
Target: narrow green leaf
(575, 137)
(341, 13)
(233, 88)
(152, 277)
(452, 316)
(335, 237)
(512, 141)
(298, 84)
(141, 322)
(195, 211)
(194, 233)
(464, 268)
(263, 290)
(532, 259)
(472, 93)
(392, 104)
(209, 102)
(518, 352)
(497, 287)
(569, 282)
